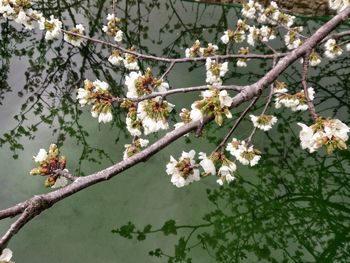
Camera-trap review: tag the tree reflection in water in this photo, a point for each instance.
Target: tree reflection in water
(294, 207)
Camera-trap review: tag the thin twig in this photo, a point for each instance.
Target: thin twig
(310, 104)
(168, 70)
(172, 60)
(238, 121)
(65, 173)
(266, 105)
(175, 91)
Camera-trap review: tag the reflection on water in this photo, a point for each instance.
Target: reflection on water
(293, 207)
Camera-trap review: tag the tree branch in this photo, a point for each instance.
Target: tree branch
(35, 205)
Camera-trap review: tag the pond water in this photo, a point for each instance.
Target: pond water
(293, 207)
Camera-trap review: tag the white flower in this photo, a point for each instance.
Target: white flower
(208, 51)
(100, 85)
(196, 114)
(52, 27)
(134, 131)
(245, 154)
(254, 34)
(194, 51)
(225, 99)
(307, 138)
(83, 96)
(225, 38)
(241, 63)
(249, 10)
(266, 34)
(134, 148)
(73, 39)
(331, 133)
(215, 71)
(5, 9)
(60, 182)
(143, 142)
(207, 164)
(332, 49)
(41, 156)
(154, 118)
(314, 59)
(119, 36)
(263, 122)
(130, 64)
(115, 58)
(6, 255)
(225, 172)
(296, 102)
(22, 18)
(105, 117)
(184, 171)
(130, 84)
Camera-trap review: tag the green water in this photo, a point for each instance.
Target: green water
(293, 207)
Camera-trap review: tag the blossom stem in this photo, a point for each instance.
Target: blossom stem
(305, 70)
(238, 121)
(266, 105)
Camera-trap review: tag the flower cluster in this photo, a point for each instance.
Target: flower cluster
(197, 51)
(6, 256)
(127, 59)
(280, 87)
(296, 102)
(331, 133)
(185, 116)
(214, 103)
(218, 164)
(243, 152)
(215, 71)
(263, 122)
(183, 171)
(97, 94)
(134, 148)
(20, 11)
(140, 85)
(237, 36)
(153, 114)
(133, 123)
(332, 50)
(271, 14)
(53, 27)
(49, 163)
(73, 39)
(116, 58)
(314, 58)
(112, 29)
(292, 39)
(130, 61)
